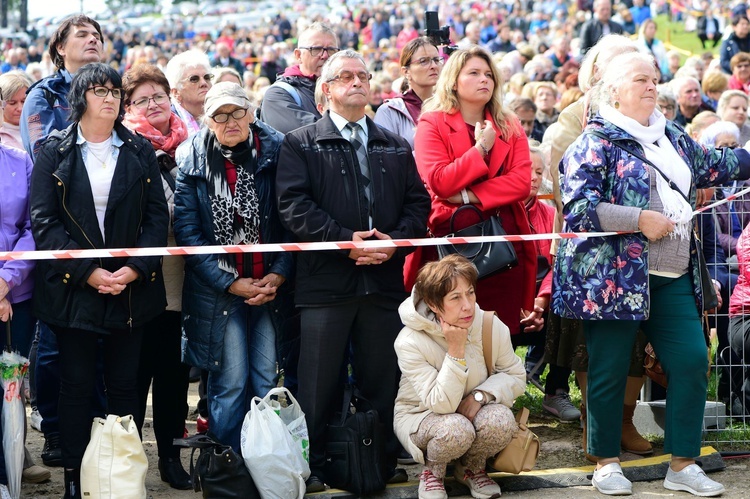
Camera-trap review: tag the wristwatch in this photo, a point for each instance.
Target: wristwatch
(479, 397)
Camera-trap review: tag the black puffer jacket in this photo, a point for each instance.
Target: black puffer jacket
(317, 187)
(63, 217)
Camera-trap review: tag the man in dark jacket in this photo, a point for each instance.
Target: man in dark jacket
(77, 42)
(345, 179)
(738, 41)
(707, 27)
(689, 100)
(290, 102)
(599, 25)
(224, 59)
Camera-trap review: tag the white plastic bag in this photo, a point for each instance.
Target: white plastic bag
(272, 456)
(293, 418)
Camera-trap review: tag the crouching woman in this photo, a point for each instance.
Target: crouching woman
(448, 406)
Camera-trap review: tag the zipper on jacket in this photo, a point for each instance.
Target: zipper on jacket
(101, 264)
(130, 308)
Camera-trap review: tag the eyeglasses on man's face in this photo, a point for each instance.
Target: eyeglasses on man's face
(347, 77)
(158, 99)
(237, 114)
(425, 62)
(195, 78)
(316, 50)
(102, 91)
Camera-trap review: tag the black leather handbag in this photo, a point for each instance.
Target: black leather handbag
(487, 257)
(219, 472)
(354, 447)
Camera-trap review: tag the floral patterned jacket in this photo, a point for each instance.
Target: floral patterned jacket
(607, 278)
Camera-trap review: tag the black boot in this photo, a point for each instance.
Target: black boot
(52, 452)
(172, 472)
(72, 484)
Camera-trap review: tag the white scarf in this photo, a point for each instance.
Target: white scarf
(660, 151)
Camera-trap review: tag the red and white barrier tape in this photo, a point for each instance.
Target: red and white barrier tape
(327, 246)
(277, 248)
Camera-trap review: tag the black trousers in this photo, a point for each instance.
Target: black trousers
(372, 324)
(161, 363)
(78, 351)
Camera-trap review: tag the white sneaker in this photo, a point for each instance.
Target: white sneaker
(4, 492)
(694, 480)
(610, 481)
(480, 485)
(36, 420)
(431, 487)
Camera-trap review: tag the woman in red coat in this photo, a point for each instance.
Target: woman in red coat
(470, 149)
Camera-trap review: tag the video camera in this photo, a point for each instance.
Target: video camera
(440, 36)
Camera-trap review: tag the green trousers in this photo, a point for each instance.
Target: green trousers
(674, 330)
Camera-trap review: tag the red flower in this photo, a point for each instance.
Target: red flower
(635, 250)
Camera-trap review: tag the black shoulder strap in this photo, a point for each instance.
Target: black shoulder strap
(625, 147)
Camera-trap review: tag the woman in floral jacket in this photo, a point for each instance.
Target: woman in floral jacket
(633, 171)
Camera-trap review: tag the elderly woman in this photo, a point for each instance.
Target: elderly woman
(96, 185)
(148, 113)
(230, 305)
(470, 150)
(226, 74)
(647, 278)
(733, 105)
(420, 66)
(189, 75)
(13, 87)
(740, 79)
(666, 101)
(448, 406)
(566, 344)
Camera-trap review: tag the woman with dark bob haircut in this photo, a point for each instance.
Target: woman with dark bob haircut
(96, 185)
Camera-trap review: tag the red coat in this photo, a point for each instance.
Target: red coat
(447, 163)
(542, 219)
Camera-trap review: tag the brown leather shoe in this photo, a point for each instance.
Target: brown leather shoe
(35, 474)
(632, 441)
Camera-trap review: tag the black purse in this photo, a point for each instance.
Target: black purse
(219, 472)
(487, 257)
(354, 447)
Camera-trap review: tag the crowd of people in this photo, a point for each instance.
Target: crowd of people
(365, 130)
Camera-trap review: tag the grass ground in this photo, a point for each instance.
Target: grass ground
(673, 35)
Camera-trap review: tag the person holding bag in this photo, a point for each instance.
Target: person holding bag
(470, 150)
(449, 407)
(634, 171)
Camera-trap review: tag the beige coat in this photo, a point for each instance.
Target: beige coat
(432, 383)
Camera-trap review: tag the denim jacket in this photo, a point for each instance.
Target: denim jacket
(607, 277)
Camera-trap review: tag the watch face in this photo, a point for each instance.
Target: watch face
(479, 397)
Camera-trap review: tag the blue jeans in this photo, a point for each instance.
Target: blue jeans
(248, 368)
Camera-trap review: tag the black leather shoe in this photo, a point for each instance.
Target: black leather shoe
(72, 484)
(314, 484)
(172, 472)
(398, 475)
(52, 452)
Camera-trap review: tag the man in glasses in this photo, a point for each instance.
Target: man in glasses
(290, 102)
(344, 178)
(75, 43)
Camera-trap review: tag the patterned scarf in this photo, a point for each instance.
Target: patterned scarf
(236, 219)
(167, 143)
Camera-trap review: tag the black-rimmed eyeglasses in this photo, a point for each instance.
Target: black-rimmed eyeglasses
(316, 50)
(237, 114)
(425, 62)
(102, 91)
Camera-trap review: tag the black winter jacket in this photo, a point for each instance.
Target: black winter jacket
(280, 110)
(318, 192)
(63, 217)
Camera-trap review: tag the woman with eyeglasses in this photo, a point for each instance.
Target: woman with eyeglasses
(420, 66)
(148, 113)
(189, 76)
(96, 185)
(232, 304)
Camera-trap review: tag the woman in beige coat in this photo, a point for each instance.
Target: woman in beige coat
(447, 407)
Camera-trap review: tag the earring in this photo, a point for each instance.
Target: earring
(617, 104)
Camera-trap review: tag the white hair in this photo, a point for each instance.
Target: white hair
(711, 133)
(178, 64)
(597, 59)
(614, 76)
